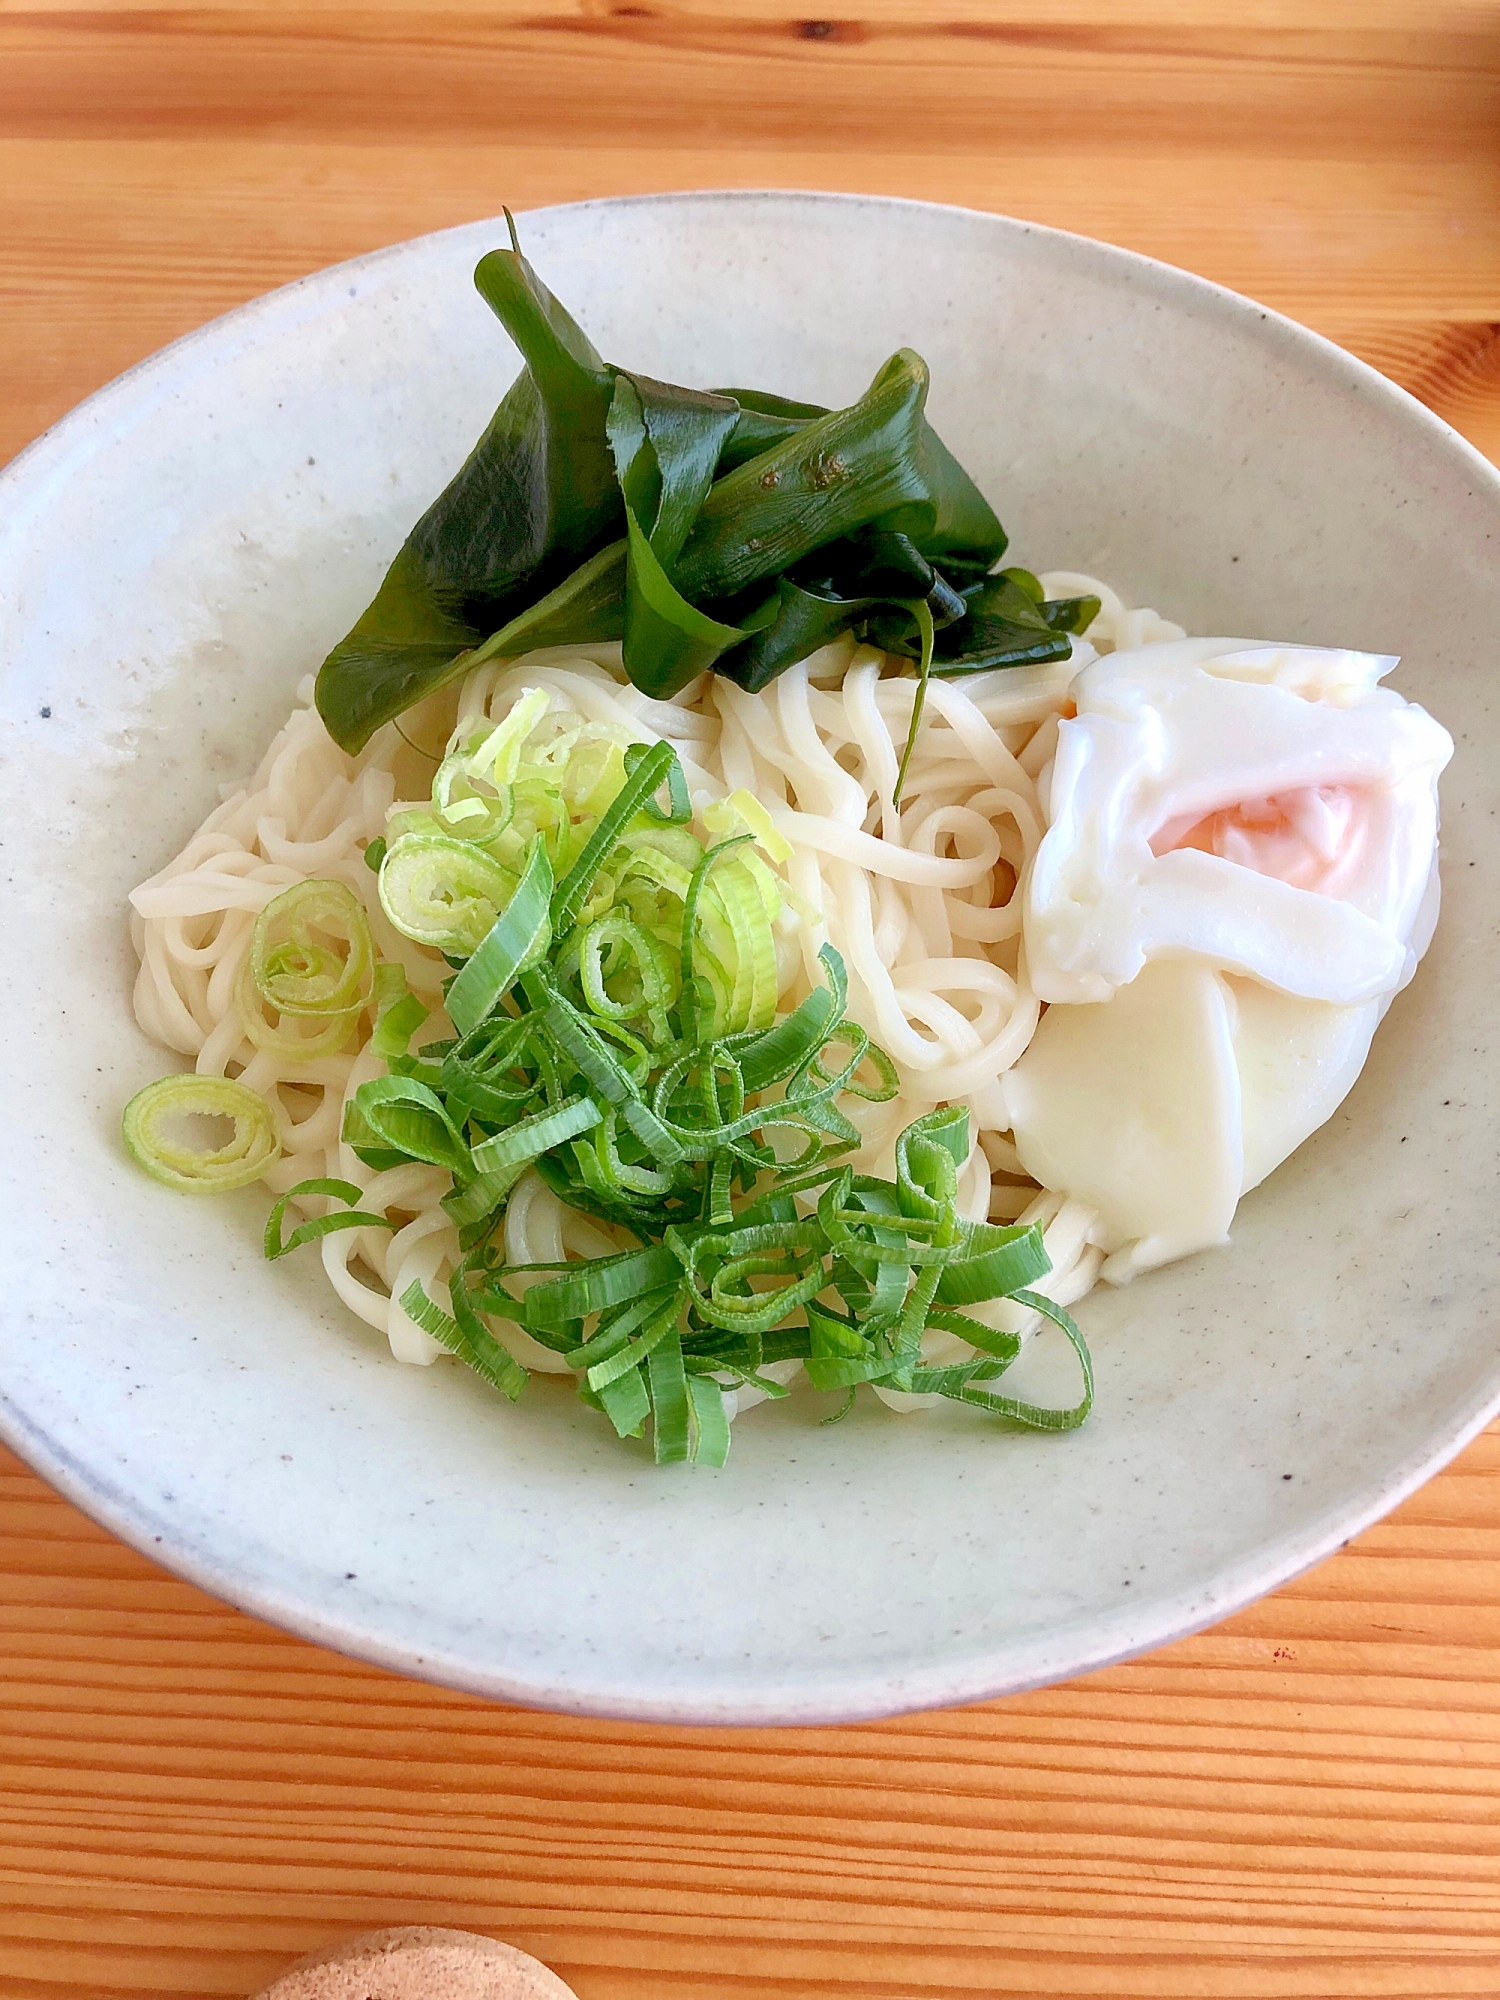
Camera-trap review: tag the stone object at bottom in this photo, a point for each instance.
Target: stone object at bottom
(419, 1962)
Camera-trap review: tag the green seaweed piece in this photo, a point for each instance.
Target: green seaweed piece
(535, 498)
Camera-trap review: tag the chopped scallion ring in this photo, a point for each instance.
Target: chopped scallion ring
(295, 1038)
(294, 956)
(172, 1157)
(442, 892)
(278, 1245)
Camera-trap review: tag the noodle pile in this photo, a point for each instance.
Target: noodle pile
(923, 903)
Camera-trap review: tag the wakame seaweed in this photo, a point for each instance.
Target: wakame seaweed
(730, 529)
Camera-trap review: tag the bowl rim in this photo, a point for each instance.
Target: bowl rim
(1068, 1650)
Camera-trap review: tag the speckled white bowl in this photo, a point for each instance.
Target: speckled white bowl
(181, 549)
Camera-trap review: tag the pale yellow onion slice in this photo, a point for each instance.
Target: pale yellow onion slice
(296, 969)
(192, 1169)
(288, 1041)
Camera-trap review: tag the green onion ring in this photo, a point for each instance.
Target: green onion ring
(188, 1168)
(442, 892)
(296, 974)
(249, 1006)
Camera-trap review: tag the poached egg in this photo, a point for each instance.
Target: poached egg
(1238, 874)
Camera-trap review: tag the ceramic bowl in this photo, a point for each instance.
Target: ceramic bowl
(181, 549)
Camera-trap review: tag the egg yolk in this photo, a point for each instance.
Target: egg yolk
(1311, 838)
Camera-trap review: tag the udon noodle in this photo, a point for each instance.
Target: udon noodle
(922, 903)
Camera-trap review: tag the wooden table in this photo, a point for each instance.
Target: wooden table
(1305, 1801)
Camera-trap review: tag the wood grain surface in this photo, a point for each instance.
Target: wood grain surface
(1305, 1801)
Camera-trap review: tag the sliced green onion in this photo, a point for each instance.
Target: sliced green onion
(671, 1428)
(442, 892)
(319, 1225)
(602, 1373)
(690, 923)
(1001, 1346)
(296, 968)
(752, 814)
(636, 1065)
(615, 1174)
(583, 1046)
(732, 1259)
(626, 1402)
(947, 1127)
(405, 1114)
(294, 956)
(777, 1052)
(399, 1013)
(616, 1327)
(996, 1261)
(358, 1135)
(492, 759)
(861, 1051)
(484, 1355)
(518, 936)
(841, 1354)
(522, 1142)
(287, 1043)
(710, 1421)
(472, 1204)
(1034, 1415)
(911, 1324)
(644, 778)
(720, 1186)
(737, 891)
(596, 1286)
(485, 1072)
(626, 944)
(149, 1139)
